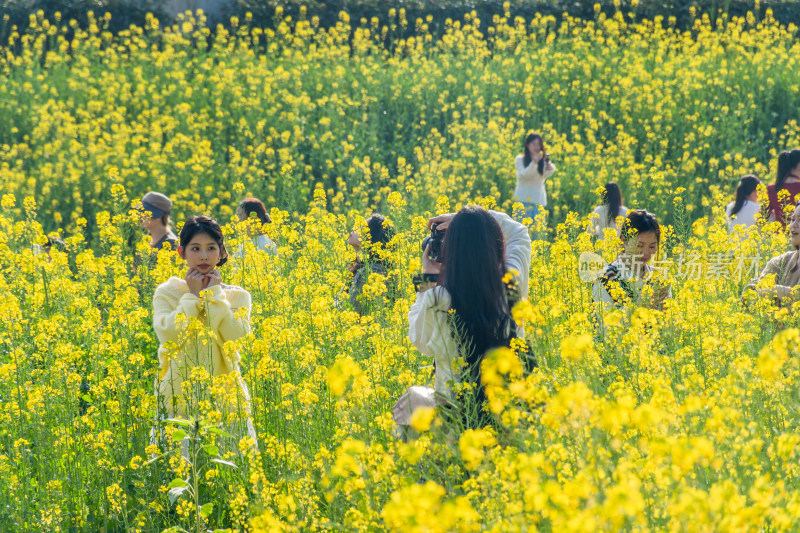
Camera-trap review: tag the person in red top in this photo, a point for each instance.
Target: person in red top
(788, 178)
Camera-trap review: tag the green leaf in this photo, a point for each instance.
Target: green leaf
(176, 493)
(178, 435)
(86, 398)
(223, 462)
(180, 422)
(177, 482)
(217, 431)
(210, 449)
(206, 510)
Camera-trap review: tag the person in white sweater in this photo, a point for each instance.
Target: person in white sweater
(605, 215)
(744, 208)
(533, 168)
(222, 313)
(463, 308)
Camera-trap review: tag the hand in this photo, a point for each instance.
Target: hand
(660, 293)
(428, 266)
(442, 220)
(212, 278)
(195, 281)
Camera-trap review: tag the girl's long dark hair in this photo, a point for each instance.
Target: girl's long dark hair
(786, 162)
(527, 159)
(472, 273)
(379, 232)
(747, 185)
(612, 199)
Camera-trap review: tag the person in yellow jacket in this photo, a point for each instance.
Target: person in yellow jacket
(194, 317)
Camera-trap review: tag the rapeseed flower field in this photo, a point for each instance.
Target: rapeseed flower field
(681, 419)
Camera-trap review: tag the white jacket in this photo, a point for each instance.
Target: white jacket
(428, 324)
(530, 184)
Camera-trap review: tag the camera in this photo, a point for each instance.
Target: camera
(435, 241)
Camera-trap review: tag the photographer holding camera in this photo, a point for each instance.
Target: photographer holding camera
(463, 307)
(533, 168)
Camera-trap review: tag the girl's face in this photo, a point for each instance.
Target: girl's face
(535, 146)
(796, 170)
(794, 226)
(241, 214)
(643, 247)
(202, 253)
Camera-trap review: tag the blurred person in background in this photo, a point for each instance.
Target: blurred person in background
(743, 209)
(788, 179)
(784, 269)
(155, 219)
(380, 232)
(605, 215)
(253, 212)
(533, 168)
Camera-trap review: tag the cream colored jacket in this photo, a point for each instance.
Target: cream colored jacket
(225, 313)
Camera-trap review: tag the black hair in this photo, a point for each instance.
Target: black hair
(786, 162)
(637, 222)
(747, 185)
(612, 199)
(472, 272)
(380, 231)
(54, 242)
(254, 205)
(527, 159)
(209, 226)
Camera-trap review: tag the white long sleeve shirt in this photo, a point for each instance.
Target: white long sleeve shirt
(530, 183)
(428, 319)
(745, 217)
(600, 220)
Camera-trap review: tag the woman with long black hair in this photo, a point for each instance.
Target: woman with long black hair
(605, 215)
(379, 232)
(788, 179)
(464, 308)
(533, 168)
(742, 211)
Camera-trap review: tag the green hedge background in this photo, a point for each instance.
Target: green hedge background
(127, 12)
